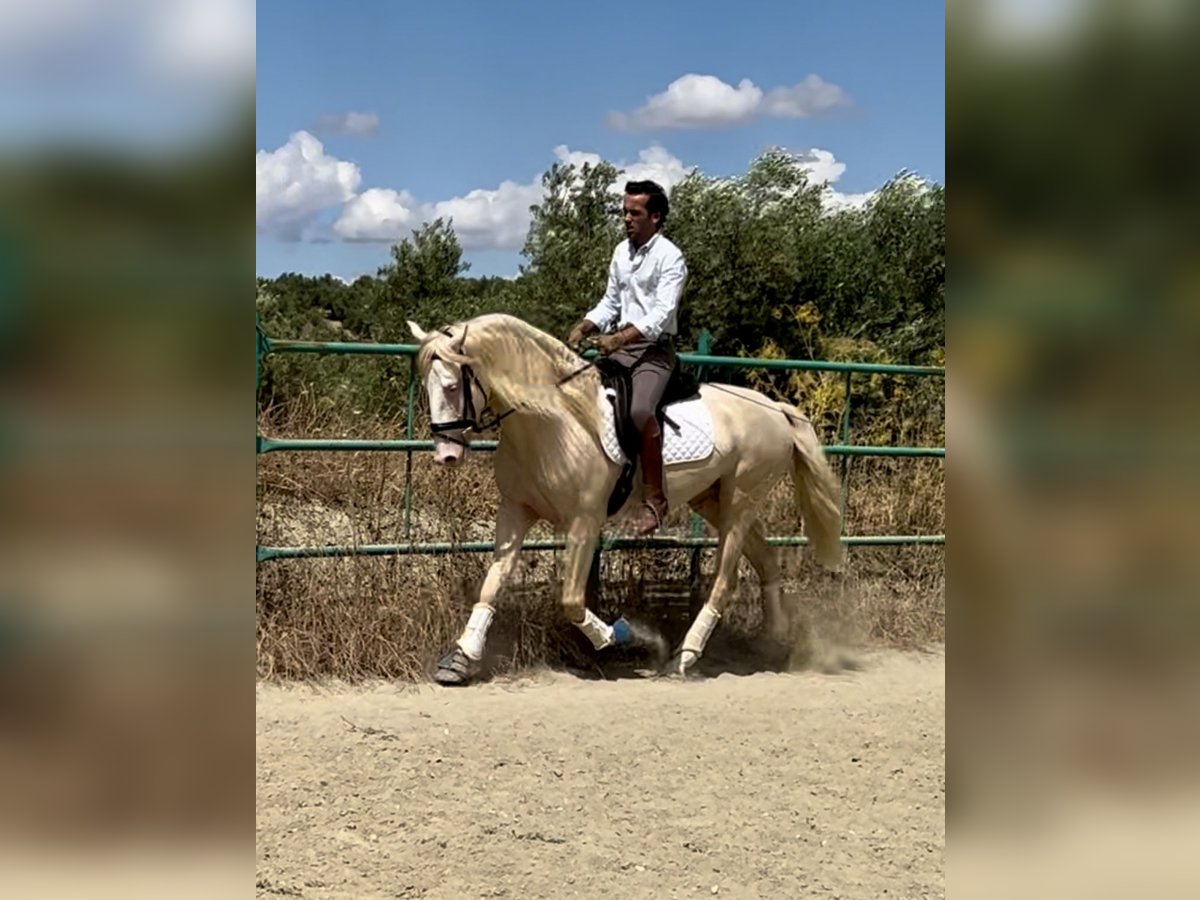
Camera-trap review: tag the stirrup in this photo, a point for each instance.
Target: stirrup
(658, 518)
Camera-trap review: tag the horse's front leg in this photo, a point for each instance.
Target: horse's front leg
(461, 662)
(582, 534)
(581, 548)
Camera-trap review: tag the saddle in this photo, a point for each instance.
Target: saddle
(682, 385)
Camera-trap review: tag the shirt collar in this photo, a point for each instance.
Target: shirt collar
(645, 248)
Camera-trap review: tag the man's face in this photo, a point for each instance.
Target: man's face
(639, 224)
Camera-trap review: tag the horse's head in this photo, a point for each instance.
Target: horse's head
(457, 400)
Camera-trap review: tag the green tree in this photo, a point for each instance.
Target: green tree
(747, 242)
(570, 243)
(421, 282)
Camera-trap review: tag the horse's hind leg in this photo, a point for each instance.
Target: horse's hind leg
(765, 560)
(737, 517)
(762, 556)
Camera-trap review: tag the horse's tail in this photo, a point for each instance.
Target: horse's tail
(817, 490)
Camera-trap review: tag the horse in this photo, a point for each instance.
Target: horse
(496, 371)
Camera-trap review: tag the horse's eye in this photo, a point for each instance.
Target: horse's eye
(452, 386)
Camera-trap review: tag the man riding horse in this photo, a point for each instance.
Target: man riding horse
(638, 317)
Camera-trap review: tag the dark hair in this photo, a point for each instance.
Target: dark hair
(656, 197)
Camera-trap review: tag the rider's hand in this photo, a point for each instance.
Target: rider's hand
(579, 332)
(608, 343)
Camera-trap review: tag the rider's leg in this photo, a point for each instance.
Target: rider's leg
(649, 383)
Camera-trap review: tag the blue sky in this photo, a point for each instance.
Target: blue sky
(455, 97)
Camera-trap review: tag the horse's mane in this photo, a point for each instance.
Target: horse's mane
(521, 365)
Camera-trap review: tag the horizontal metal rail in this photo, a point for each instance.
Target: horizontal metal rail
(616, 543)
(758, 362)
(273, 345)
(270, 445)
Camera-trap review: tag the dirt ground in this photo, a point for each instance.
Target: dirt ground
(808, 784)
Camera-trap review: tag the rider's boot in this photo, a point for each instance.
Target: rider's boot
(648, 517)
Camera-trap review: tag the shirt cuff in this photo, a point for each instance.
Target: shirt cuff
(649, 328)
(598, 317)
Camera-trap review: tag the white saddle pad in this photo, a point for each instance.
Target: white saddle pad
(691, 441)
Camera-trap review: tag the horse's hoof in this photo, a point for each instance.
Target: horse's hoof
(648, 638)
(454, 668)
(681, 664)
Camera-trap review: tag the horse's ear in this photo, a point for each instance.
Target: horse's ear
(417, 331)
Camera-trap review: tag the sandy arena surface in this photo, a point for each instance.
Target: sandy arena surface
(765, 785)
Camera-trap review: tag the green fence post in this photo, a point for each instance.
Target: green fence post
(408, 433)
(262, 346)
(845, 439)
(704, 347)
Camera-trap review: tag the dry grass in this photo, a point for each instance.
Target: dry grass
(389, 616)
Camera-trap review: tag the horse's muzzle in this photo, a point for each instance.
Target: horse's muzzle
(447, 453)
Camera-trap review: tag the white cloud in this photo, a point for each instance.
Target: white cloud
(293, 184)
(499, 219)
(487, 218)
(811, 97)
(705, 101)
(694, 101)
(491, 219)
(654, 163)
(820, 164)
(824, 169)
(378, 214)
(357, 124)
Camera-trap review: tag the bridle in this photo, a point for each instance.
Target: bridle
(484, 420)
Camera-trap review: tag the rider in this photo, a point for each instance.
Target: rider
(645, 283)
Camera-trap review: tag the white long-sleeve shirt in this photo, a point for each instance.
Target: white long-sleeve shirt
(644, 287)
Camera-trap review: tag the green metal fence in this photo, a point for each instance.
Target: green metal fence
(702, 359)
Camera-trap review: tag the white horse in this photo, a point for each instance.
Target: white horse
(550, 464)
